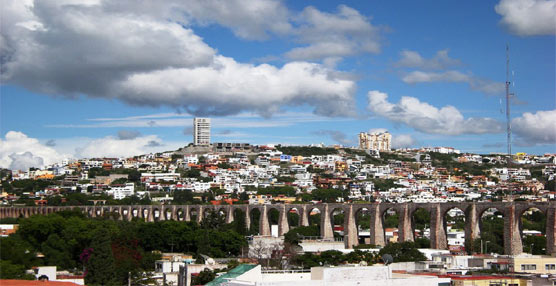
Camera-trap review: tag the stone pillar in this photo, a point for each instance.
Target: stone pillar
(326, 230)
(405, 231)
(512, 235)
(283, 226)
(161, 213)
(351, 237)
(376, 229)
(551, 231)
(129, 215)
(264, 226)
(472, 230)
(229, 214)
(119, 210)
(200, 214)
(247, 218)
(186, 215)
(303, 216)
(437, 231)
(150, 214)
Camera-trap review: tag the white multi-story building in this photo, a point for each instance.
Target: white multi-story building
(201, 131)
(191, 159)
(121, 191)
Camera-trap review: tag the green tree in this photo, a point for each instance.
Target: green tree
(14, 249)
(327, 195)
(403, 252)
(56, 252)
(119, 181)
(204, 277)
(295, 235)
(8, 270)
(183, 197)
(100, 265)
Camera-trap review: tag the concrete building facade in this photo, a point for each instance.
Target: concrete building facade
(376, 141)
(201, 131)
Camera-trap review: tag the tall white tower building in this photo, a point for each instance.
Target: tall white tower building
(201, 131)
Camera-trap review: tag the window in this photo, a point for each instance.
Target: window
(528, 267)
(550, 267)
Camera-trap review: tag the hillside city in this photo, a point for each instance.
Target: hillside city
(206, 173)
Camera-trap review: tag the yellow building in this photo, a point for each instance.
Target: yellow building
(284, 199)
(297, 159)
(341, 166)
(535, 264)
(487, 281)
(45, 177)
(520, 155)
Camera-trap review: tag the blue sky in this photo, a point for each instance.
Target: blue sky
(95, 78)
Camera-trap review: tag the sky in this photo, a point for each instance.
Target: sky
(97, 78)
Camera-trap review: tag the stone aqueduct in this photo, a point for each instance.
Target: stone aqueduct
(511, 211)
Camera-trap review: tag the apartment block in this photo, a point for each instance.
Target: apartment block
(201, 131)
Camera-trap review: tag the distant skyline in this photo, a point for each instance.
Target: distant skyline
(121, 78)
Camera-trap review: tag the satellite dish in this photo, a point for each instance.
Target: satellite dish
(387, 259)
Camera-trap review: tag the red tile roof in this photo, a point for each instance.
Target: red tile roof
(11, 282)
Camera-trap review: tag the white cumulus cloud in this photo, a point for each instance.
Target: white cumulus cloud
(115, 147)
(413, 59)
(228, 87)
(146, 53)
(475, 83)
(334, 35)
(535, 128)
(528, 17)
(403, 141)
(20, 152)
(441, 62)
(426, 118)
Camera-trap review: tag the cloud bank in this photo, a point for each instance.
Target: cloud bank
(426, 118)
(336, 135)
(537, 128)
(412, 59)
(528, 17)
(403, 141)
(441, 62)
(334, 35)
(19, 152)
(146, 54)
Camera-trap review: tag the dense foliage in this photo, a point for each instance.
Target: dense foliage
(306, 151)
(334, 257)
(403, 252)
(71, 241)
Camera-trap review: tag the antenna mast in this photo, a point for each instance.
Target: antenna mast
(508, 124)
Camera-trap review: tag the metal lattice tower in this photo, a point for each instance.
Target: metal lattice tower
(508, 123)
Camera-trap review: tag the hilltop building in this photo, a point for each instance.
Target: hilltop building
(376, 141)
(201, 131)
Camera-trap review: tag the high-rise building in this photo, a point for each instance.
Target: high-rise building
(378, 141)
(201, 131)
